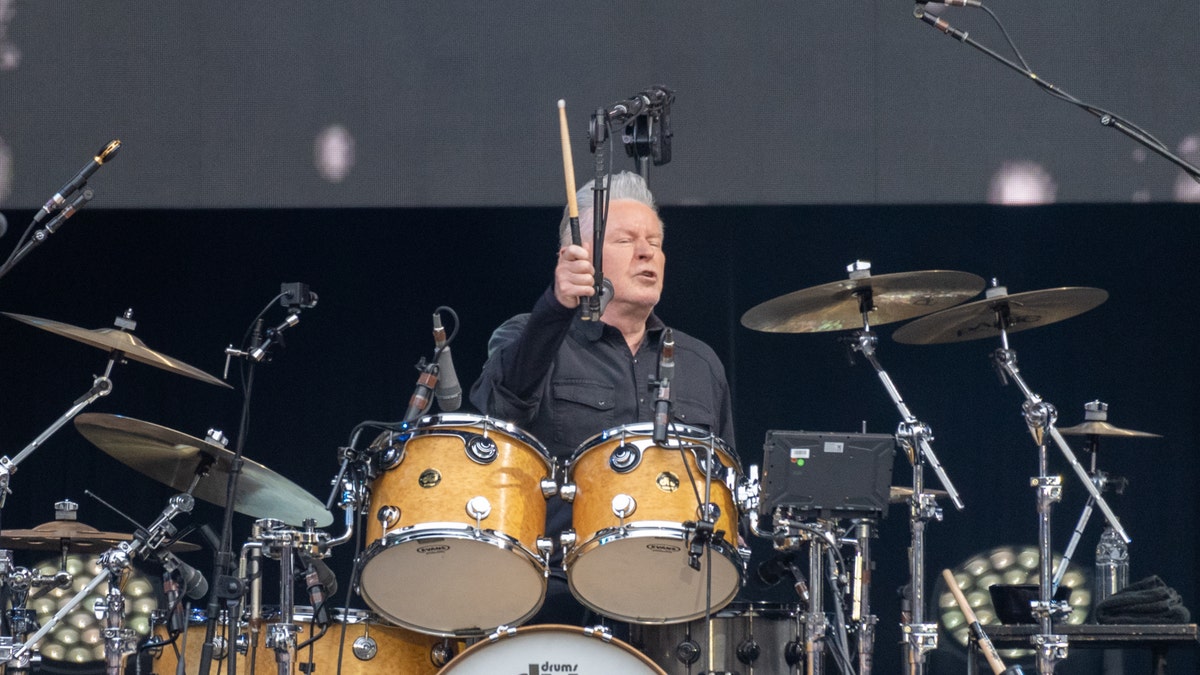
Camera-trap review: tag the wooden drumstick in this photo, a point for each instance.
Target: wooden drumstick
(569, 173)
(989, 650)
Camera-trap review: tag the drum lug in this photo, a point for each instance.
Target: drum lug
(388, 516)
(545, 546)
(623, 506)
(687, 652)
(625, 458)
(481, 449)
(441, 653)
(602, 632)
(748, 651)
(549, 488)
(567, 492)
(479, 508)
(566, 540)
(365, 648)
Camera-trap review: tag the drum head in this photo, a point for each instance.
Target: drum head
(642, 575)
(494, 581)
(551, 648)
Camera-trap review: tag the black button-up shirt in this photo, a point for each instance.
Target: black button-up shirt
(564, 380)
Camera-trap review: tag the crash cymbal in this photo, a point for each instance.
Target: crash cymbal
(835, 306)
(77, 537)
(112, 339)
(172, 458)
(898, 494)
(1095, 428)
(1022, 311)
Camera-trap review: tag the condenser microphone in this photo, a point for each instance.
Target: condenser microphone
(448, 390)
(106, 153)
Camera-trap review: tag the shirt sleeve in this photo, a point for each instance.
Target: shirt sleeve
(520, 356)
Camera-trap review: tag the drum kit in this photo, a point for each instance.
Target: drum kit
(448, 514)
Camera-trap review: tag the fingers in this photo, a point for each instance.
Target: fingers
(574, 275)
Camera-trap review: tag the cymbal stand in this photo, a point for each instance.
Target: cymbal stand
(1040, 417)
(920, 637)
(118, 640)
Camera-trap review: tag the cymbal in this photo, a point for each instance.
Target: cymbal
(1097, 428)
(78, 538)
(172, 458)
(112, 339)
(835, 306)
(977, 320)
(898, 494)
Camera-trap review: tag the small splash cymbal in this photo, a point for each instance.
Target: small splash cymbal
(836, 306)
(1098, 428)
(1016, 312)
(75, 536)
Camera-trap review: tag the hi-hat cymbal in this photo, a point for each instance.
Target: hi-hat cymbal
(835, 306)
(898, 494)
(1020, 311)
(172, 458)
(112, 339)
(1097, 428)
(77, 537)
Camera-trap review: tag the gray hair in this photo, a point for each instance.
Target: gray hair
(623, 185)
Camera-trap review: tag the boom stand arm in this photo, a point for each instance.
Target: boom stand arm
(919, 637)
(1040, 416)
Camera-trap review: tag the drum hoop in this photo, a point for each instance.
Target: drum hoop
(677, 432)
(450, 530)
(551, 628)
(652, 529)
(430, 423)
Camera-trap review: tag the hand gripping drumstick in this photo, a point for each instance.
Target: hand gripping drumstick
(572, 203)
(989, 650)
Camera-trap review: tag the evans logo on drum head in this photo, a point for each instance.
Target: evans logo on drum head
(663, 548)
(436, 548)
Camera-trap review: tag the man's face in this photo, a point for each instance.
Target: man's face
(633, 254)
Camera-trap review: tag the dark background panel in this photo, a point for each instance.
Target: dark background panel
(453, 103)
(195, 278)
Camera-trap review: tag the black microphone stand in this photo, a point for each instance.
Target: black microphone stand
(1106, 118)
(227, 588)
(41, 235)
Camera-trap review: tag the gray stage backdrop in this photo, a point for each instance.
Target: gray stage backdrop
(264, 104)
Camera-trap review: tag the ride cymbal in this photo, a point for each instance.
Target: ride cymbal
(984, 318)
(112, 339)
(838, 305)
(174, 458)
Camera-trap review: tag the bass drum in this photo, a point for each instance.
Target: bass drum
(457, 511)
(635, 508)
(754, 638)
(551, 649)
(370, 648)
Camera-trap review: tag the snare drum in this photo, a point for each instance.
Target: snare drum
(748, 638)
(551, 649)
(458, 511)
(635, 508)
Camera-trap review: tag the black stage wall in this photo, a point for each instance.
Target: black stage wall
(195, 279)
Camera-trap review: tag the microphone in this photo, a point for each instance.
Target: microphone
(71, 209)
(317, 593)
(325, 576)
(783, 564)
(176, 621)
(427, 381)
(195, 586)
(106, 153)
(649, 100)
(448, 390)
(662, 402)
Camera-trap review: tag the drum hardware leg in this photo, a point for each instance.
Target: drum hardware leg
(916, 438)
